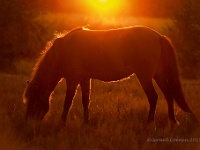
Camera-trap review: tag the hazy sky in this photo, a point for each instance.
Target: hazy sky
(113, 7)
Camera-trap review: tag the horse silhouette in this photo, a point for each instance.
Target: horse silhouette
(106, 55)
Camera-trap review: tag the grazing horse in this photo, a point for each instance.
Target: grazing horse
(107, 55)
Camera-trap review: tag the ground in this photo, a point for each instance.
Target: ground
(118, 116)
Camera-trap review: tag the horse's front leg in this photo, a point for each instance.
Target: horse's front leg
(85, 88)
(71, 90)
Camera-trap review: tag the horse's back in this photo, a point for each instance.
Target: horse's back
(114, 54)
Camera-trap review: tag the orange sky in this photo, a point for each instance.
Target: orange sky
(112, 7)
(115, 7)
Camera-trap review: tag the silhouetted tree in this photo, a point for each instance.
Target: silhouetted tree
(21, 34)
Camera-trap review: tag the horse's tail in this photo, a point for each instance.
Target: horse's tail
(172, 73)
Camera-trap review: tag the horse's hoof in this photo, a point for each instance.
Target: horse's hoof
(175, 124)
(62, 124)
(151, 126)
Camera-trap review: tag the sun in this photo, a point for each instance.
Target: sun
(105, 7)
(103, 1)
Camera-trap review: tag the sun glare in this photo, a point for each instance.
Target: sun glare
(102, 1)
(105, 7)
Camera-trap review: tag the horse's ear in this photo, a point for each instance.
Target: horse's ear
(27, 82)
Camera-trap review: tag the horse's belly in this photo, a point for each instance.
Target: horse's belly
(108, 75)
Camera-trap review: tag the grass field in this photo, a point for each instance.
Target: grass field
(118, 115)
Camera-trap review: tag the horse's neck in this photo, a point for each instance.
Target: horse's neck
(46, 74)
(46, 79)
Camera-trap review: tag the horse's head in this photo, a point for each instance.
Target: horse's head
(37, 103)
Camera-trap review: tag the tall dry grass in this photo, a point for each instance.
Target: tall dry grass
(118, 115)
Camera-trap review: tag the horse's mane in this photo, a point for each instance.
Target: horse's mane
(50, 43)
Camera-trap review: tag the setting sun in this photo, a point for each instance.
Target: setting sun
(102, 1)
(105, 7)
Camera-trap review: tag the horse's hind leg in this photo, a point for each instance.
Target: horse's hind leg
(71, 90)
(85, 88)
(151, 95)
(164, 86)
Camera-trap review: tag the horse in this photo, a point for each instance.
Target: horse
(107, 55)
